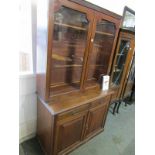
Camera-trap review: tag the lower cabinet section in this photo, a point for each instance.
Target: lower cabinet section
(69, 132)
(96, 119)
(71, 128)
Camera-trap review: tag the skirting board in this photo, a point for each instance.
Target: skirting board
(27, 138)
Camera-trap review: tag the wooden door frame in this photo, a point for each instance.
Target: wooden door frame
(92, 15)
(89, 14)
(129, 37)
(125, 83)
(105, 105)
(61, 122)
(99, 16)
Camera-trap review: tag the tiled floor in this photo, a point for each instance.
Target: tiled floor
(117, 139)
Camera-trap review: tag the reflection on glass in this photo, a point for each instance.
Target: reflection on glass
(100, 55)
(129, 20)
(132, 71)
(120, 62)
(69, 42)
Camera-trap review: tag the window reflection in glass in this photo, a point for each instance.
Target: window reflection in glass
(132, 71)
(120, 61)
(129, 20)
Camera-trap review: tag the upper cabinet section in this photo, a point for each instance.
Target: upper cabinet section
(68, 46)
(101, 51)
(79, 43)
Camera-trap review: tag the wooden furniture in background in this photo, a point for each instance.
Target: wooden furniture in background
(75, 46)
(128, 88)
(123, 57)
(128, 21)
(129, 80)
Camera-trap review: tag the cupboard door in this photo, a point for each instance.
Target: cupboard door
(122, 54)
(70, 39)
(70, 132)
(101, 50)
(129, 80)
(131, 73)
(123, 57)
(96, 119)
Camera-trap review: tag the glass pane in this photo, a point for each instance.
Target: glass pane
(120, 62)
(129, 21)
(102, 48)
(69, 43)
(132, 71)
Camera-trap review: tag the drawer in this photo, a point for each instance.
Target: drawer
(100, 101)
(72, 112)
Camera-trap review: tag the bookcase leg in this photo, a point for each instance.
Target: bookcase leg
(119, 103)
(115, 106)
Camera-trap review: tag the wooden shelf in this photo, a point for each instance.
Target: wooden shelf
(117, 70)
(92, 79)
(90, 83)
(97, 65)
(70, 26)
(65, 66)
(60, 58)
(81, 44)
(75, 65)
(62, 90)
(120, 54)
(96, 45)
(62, 84)
(104, 33)
(117, 65)
(122, 65)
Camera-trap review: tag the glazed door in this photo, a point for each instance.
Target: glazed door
(131, 75)
(71, 31)
(96, 119)
(129, 81)
(70, 132)
(123, 57)
(101, 49)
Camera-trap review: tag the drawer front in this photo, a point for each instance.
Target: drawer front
(100, 101)
(72, 112)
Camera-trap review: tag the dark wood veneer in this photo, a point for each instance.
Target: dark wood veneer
(71, 106)
(79, 121)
